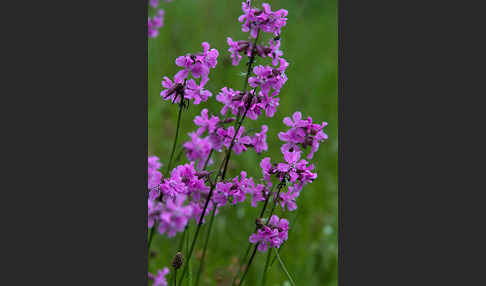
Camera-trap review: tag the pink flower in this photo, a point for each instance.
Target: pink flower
(175, 216)
(259, 140)
(198, 149)
(198, 207)
(258, 194)
(235, 48)
(198, 64)
(288, 199)
(267, 168)
(206, 123)
(160, 279)
(271, 235)
(173, 90)
(240, 143)
(302, 133)
(231, 100)
(295, 169)
(154, 3)
(155, 23)
(187, 175)
(154, 176)
(196, 92)
(222, 193)
(266, 20)
(267, 77)
(154, 211)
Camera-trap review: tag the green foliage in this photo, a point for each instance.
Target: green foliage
(310, 44)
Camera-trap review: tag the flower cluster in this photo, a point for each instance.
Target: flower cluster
(218, 136)
(159, 279)
(155, 23)
(294, 171)
(237, 102)
(273, 234)
(262, 19)
(176, 199)
(198, 65)
(154, 175)
(237, 48)
(302, 133)
(267, 78)
(235, 191)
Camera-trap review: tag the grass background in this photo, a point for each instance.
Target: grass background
(310, 45)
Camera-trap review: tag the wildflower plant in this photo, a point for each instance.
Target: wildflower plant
(190, 192)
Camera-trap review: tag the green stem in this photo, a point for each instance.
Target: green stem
(151, 236)
(181, 105)
(264, 279)
(201, 266)
(249, 263)
(284, 243)
(284, 268)
(275, 201)
(243, 258)
(207, 160)
(181, 242)
(188, 262)
(175, 277)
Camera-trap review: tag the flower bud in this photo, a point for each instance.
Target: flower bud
(178, 260)
(259, 222)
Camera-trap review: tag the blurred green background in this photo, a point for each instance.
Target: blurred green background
(310, 45)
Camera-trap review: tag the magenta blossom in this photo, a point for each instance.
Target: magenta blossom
(222, 193)
(267, 77)
(288, 199)
(271, 235)
(197, 64)
(196, 92)
(173, 90)
(240, 143)
(295, 169)
(206, 123)
(198, 149)
(235, 191)
(154, 211)
(180, 88)
(160, 279)
(258, 194)
(235, 48)
(267, 169)
(302, 133)
(175, 216)
(237, 102)
(264, 19)
(154, 175)
(198, 207)
(155, 23)
(154, 3)
(188, 176)
(259, 140)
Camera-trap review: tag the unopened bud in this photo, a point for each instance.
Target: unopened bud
(259, 222)
(178, 260)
